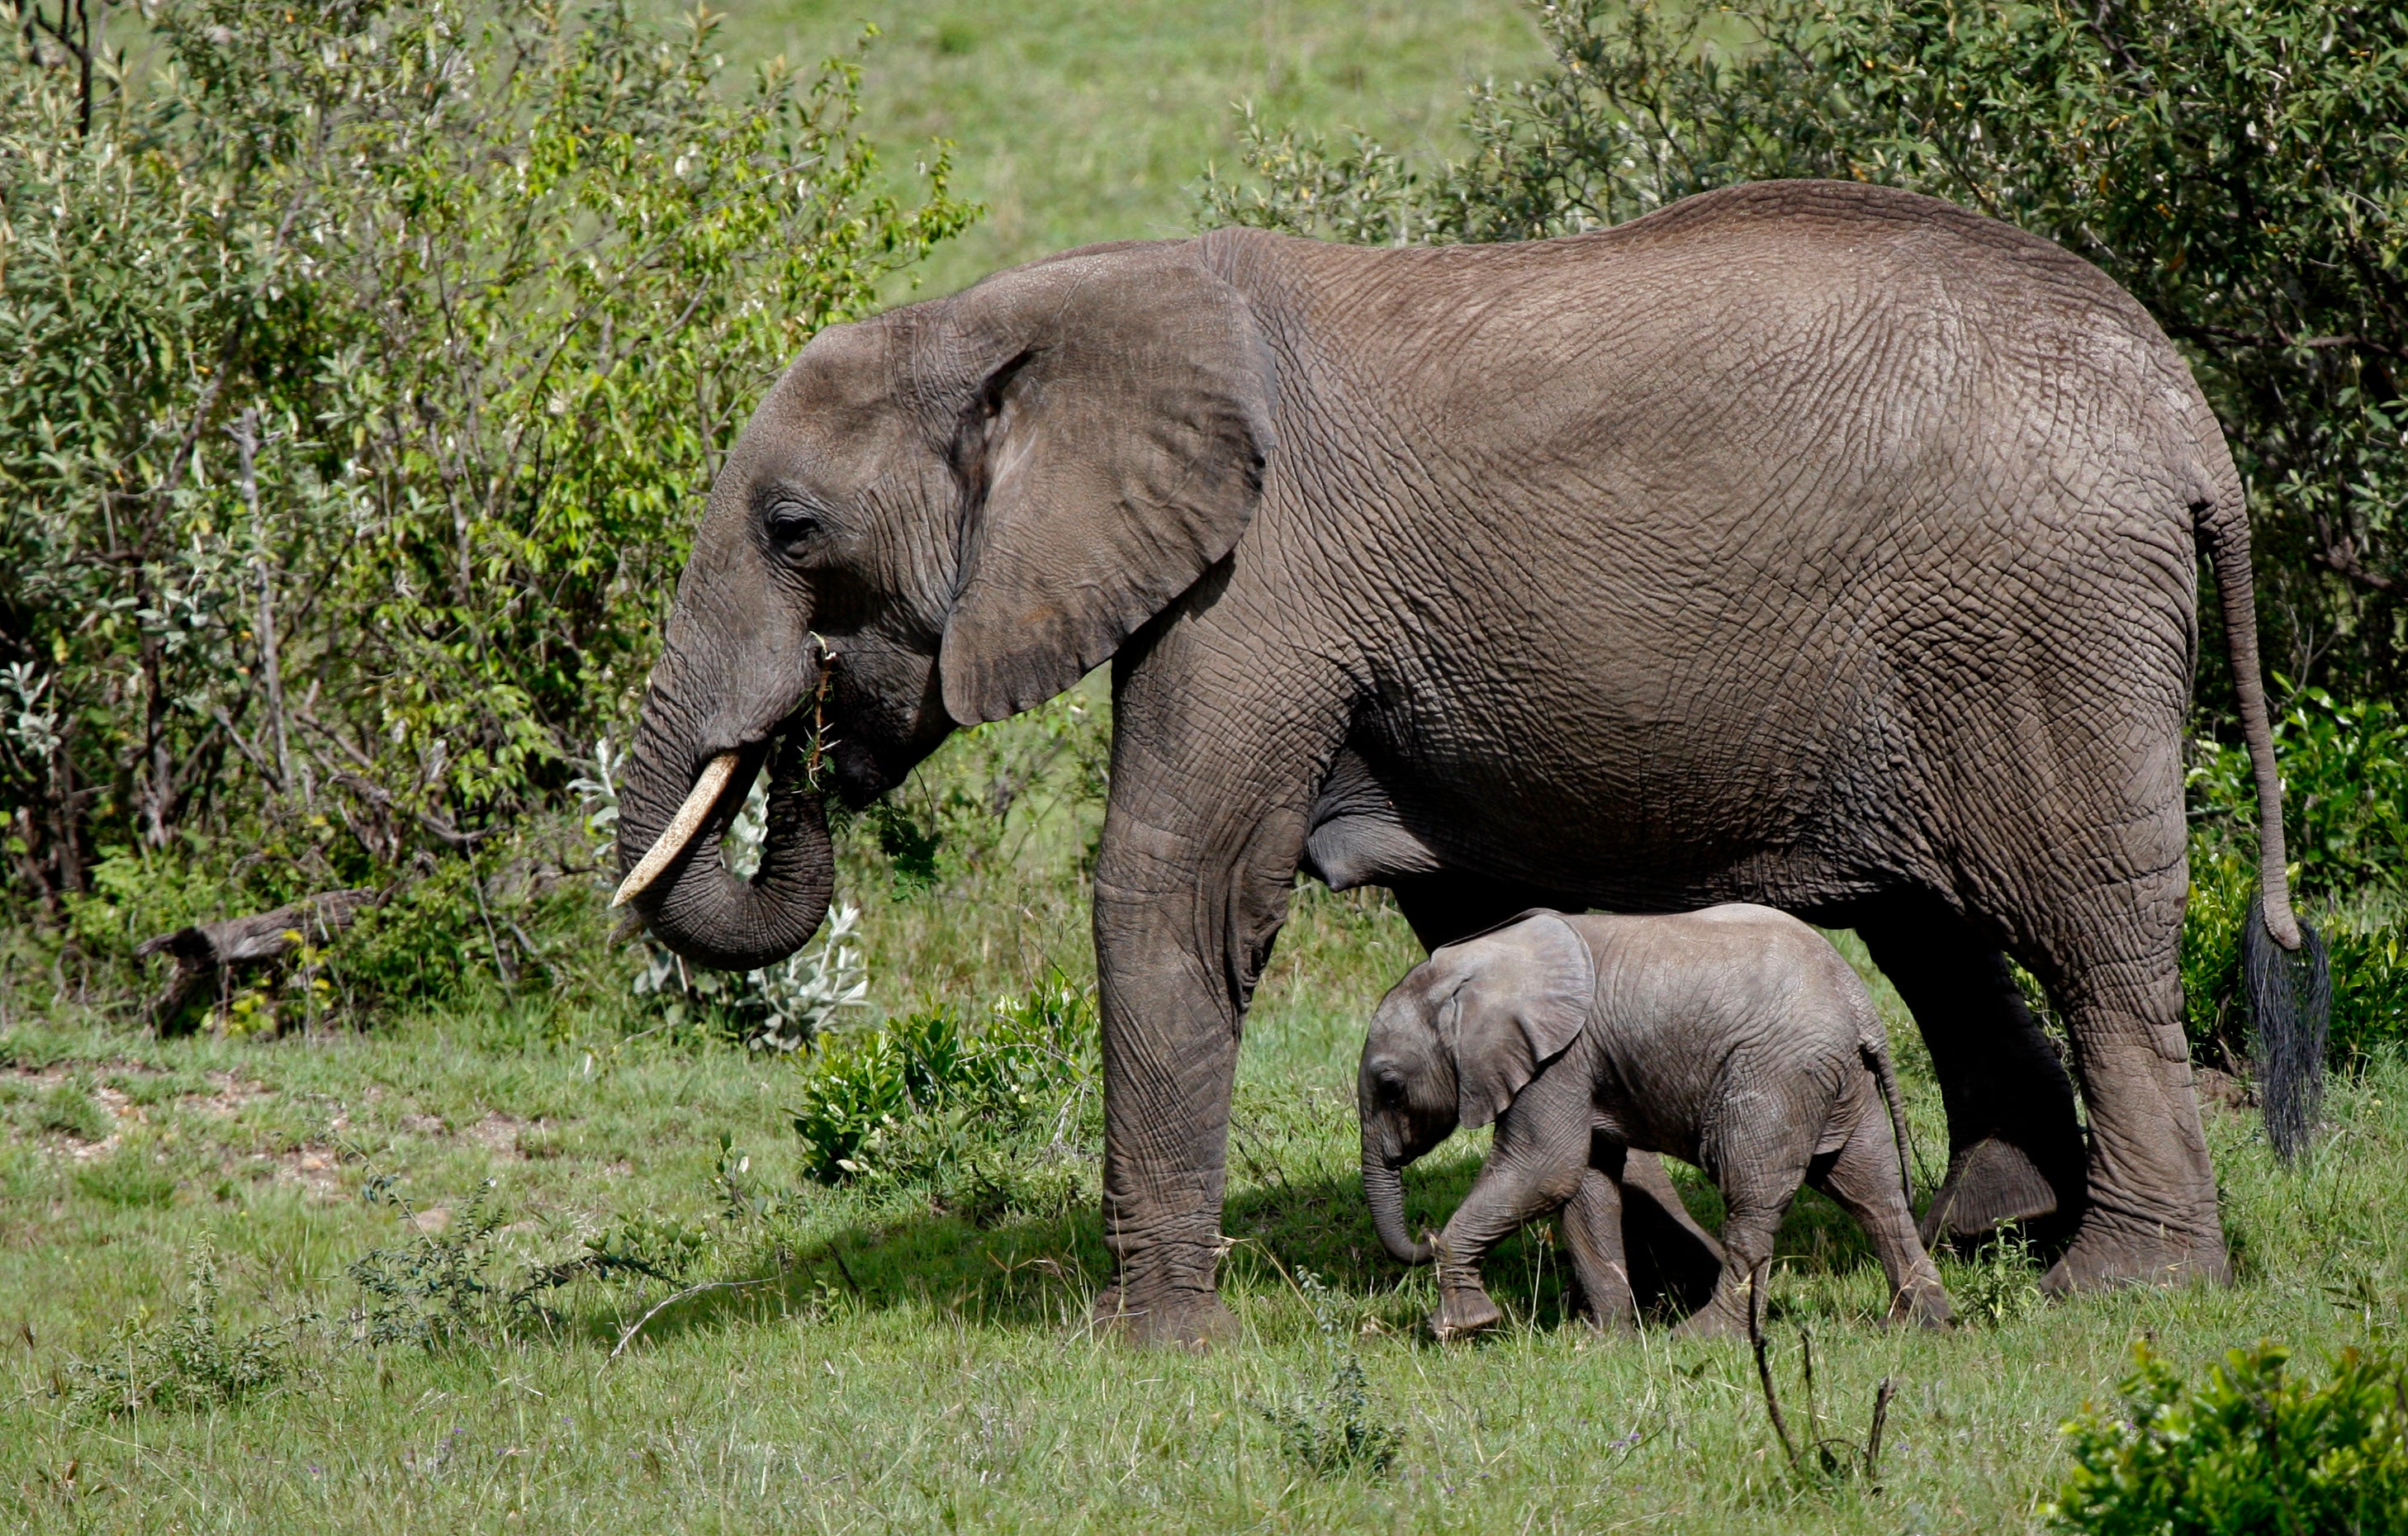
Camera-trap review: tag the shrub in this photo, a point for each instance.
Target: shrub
(1033, 1056)
(359, 367)
(2252, 1450)
(1329, 1429)
(454, 1281)
(190, 1360)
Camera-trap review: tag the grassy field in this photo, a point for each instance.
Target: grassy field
(1077, 121)
(893, 1366)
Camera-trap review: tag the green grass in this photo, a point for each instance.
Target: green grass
(1078, 120)
(902, 1368)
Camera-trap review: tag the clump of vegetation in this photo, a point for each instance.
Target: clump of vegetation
(2254, 1449)
(451, 1279)
(193, 1359)
(1329, 1429)
(69, 1109)
(2001, 1284)
(361, 366)
(917, 1096)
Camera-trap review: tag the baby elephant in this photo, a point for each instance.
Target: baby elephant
(1734, 1039)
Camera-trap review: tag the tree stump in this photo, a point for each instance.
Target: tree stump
(214, 953)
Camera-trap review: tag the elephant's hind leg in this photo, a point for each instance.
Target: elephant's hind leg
(1593, 1230)
(1864, 1180)
(2015, 1144)
(2151, 1216)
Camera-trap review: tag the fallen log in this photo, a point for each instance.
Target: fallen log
(213, 953)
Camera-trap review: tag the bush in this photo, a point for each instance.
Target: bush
(1329, 1430)
(187, 1361)
(2237, 164)
(451, 1281)
(361, 366)
(2253, 1450)
(1033, 1058)
(2345, 804)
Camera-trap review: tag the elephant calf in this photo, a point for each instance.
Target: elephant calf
(1734, 1037)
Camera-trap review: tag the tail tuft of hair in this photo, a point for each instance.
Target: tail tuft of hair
(2290, 1013)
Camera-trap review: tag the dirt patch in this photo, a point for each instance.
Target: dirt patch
(315, 1171)
(499, 1134)
(424, 1125)
(228, 1095)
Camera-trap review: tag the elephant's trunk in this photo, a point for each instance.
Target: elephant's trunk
(696, 905)
(1383, 1185)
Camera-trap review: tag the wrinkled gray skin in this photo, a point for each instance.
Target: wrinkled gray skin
(1734, 1037)
(1805, 543)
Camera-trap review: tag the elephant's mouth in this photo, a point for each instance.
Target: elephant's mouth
(677, 883)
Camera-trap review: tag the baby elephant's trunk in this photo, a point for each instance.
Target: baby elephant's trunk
(1383, 1185)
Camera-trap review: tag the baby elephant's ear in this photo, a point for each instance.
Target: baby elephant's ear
(1525, 995)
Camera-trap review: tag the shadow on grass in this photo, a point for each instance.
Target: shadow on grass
(1042, 1275)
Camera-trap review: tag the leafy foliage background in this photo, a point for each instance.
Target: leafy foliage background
(360, 366)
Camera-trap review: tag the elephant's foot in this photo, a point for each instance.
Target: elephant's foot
(1923, 1303)
(1464, 1312)
(2107, 1255)
(1715, 1320)
(1992, 1182)
(1179, 1317)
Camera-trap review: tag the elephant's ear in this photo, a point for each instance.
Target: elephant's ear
(1114, 448)
(1528, 992)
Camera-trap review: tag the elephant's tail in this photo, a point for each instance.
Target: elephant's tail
(2283, 963)
(1876, 1053)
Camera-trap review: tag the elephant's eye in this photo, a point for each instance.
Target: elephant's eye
(790, 522)
(1391, 1090)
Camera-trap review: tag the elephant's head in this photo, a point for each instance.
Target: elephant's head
(1453, 1044)
(937, 517)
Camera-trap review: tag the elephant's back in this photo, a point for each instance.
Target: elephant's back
(1786, 497)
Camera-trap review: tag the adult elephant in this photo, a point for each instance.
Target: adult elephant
(1803, 543)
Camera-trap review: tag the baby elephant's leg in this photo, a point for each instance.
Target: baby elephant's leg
(1593, 1230)
(1533, 1167)
(1865, 1181)
(1752, 1218)
(1758, 1143)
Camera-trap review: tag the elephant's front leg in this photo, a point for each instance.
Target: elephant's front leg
(1201, 840)
(1170, 1051)
(1535, 1166)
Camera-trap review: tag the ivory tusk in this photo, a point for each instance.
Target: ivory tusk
(705, 793)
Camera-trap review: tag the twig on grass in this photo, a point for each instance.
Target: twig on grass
(691, 1291)
(1756, 1279)
(1835, 1457)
